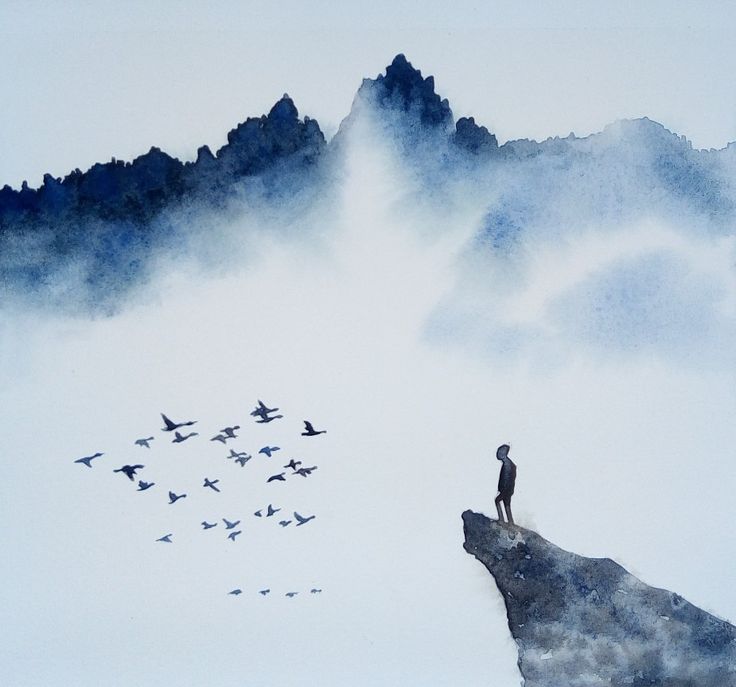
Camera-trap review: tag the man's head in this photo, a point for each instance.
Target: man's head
(502, 451)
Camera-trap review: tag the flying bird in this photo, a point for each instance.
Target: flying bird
(220, 437)
(171, 426)
(315, 591)
(142, 486)
(130, 470)
(284, 523)
(310, 431)
(173, 498)
(268, 418)
(264, 591)
(268, 450)
(261, 410)
(293, 464)
(207, 526)
(178, 438)
(212, 484)
(235, 592)
(229, 432)
(258, 513)
(166, 538)
(280, 477)
(243, 459)
(233, 454)
(87, 460)
(304, 472)
(272, 511)
(144, 442)
(291, 595)
(302, 520)
(229, 525)
(232, 535)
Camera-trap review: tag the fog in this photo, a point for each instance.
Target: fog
(372, 317)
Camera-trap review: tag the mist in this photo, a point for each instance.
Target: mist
(376, 317)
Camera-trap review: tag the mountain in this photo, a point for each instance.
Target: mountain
(581, 622)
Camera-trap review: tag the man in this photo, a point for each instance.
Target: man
(506, 483)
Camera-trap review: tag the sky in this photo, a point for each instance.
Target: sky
(622, 452)
(87, 81)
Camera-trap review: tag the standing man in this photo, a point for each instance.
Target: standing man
(506, 483)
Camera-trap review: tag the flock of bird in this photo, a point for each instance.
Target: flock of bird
(263, 415)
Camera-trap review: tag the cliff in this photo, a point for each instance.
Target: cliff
(581, 621)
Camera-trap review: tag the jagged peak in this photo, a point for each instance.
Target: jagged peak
(403, 87)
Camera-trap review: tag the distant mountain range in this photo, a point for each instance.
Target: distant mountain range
(113, 215)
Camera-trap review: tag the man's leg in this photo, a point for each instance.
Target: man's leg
(507, 504)
(498, 508)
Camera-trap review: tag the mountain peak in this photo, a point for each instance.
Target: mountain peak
(587, 621)
(404, 88)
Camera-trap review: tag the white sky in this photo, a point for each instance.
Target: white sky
(90, 599)
(83, 82)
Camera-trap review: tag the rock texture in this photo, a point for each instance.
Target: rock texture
(581, 621)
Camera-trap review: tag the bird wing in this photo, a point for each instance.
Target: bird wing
(308, 426)
(169, 424)
(299, 517)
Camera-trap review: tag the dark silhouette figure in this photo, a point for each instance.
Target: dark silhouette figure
(293, 464)
(262, 411)
(207, 525)
(87, 460)
(179, 437)
(232, 535)
(173, 498)
(212, 484)
(243, 458)
(280, 477)
(235, 592)
(272, 510)
(221, 438)
(268, 450)
(310, 431)
(302, 520)
(264, 591)
(229, 432)
(506, 483)
(144, 442)
(304, 472)
(130, 470)
(230, 525)
(171, 426)
(142, 486)
(268, 418)
(166, 538)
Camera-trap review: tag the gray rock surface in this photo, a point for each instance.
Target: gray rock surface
(580, 622)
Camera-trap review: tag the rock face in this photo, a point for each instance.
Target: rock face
(586, 621)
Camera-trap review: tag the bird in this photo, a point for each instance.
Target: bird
(293, 464)
(264, 591)
(280, 477)
(291, 595)
(261, 410)
(302, 520)
(229, 432)
(268, 418)
(243, 459)
(304, 472)
(229, 525)
(173, 498)
(233, 454)
(268, 450)
(208, 526)
(310, 431)
(144, 442)
(272, 511)
(258, 513)
(178, 438)
(235, 592)
(220, 437)
(166, 538)
(142, 486)
(171, 426)
(232, 535)
(130, 470)
(315, 591)
(284, 523)
(87, 460)
(212, 484)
